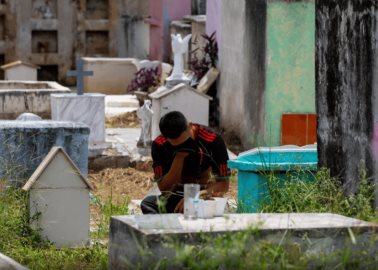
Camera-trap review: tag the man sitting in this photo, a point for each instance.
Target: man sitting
(185, 153)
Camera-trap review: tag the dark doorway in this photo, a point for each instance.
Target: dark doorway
(48, 73)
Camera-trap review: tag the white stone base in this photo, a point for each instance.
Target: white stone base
(88, 109)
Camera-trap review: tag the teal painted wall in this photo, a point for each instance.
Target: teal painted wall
(290, 74)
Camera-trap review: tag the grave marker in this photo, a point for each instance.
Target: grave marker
(79, 73)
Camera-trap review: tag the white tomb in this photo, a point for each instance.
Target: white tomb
(20, 71)
(193, 104)
(88, 109)
(59, 198)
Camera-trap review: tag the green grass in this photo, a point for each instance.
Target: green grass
(228, 251)
(20, 242)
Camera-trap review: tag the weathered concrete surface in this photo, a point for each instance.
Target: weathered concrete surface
(130, 236)
(243, 66)
(7, 263)
(346, 87)
(24, 144)
(17, 97)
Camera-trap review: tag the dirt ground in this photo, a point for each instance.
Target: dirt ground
(116, 184)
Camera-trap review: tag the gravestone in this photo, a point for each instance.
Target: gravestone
(184, 98)
(59, 195)
(88, 108)
(347, 89)
(314, 233)
(24, 144)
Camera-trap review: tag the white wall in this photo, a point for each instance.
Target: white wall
(21, 73)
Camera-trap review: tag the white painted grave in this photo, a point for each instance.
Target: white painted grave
(59, 198)
(20, 71)
(193, 104)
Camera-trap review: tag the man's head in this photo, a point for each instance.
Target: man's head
(173, 124)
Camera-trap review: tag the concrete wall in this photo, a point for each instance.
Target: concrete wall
(267, 67)
(213, 18)
(347, 88)
(162, 12)
(242, 81)
(290, 58)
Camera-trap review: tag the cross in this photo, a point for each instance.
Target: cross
(79, 73)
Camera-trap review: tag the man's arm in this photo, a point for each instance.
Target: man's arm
(173, 177)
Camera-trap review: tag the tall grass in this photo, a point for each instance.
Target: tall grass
(20, 242)
(323, 194)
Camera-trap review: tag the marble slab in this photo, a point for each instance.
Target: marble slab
(88, 109)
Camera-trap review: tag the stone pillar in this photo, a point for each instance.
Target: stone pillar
(346, 87)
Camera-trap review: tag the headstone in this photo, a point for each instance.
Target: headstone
(314, 233)
(145, 113)
(24, 144)
(88, 109)
(179, 48)
(347, 89)
(207, 81)
(193, 104)
(59, 199)
(20, 71)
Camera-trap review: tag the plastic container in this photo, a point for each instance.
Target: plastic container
(256, 166)
(220, 207)
(206, 208)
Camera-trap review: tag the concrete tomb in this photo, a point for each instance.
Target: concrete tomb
(17, 97)
(23, 145)
(59, 199)
(314, 232)
(193, 104)
(112, 76)
(20, 71)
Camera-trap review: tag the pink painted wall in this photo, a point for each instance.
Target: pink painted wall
(162, 12)
(213, 18)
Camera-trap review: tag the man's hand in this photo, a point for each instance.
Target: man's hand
(180, 207)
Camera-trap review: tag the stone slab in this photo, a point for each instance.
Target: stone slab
(328, 232)
(24, 144)
(7, 263)
(88, 109)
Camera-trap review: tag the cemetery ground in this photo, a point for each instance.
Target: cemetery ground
(115, 188)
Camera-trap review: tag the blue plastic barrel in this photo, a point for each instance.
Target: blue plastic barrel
(256, 166)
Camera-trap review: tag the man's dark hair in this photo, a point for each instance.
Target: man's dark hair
(173, 124)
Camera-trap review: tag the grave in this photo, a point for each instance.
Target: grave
(193, 104)
(20, 71)
(314, 232)
(24, 144)
(59, 195)
(17, 97)
(112, 76)
(83, 108)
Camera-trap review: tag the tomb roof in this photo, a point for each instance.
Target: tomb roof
(164, 91)
(44, 164)
(18, 63)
